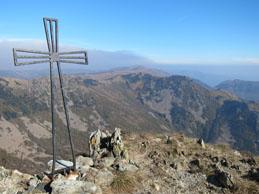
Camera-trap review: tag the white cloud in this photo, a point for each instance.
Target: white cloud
(254, 61)
(98, 59)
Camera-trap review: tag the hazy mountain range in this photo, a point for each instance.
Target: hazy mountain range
(248, 90)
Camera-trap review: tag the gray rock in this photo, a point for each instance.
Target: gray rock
(225, 179)
(215, 159)
(174, 165)
(41, 187)
(100, 177)
(10, 181)
(145, 144)
(117, 146)
(116, 150)
(95, 142)
(251, 161)
(157, 140)
(235, 167)
(34, 182)
(116, 136)
(84, 161)
(105, 145)
(124, 153)
(104, 177)
(224, 162)
(195, 162)
(237, 153)
(253, 174)
(169, 139)
(126, 166)
(107, 161)
(104, 152)
(156, 186)
(61, 186)
(60, 164)
(221, 179)
(201, 142)
(84, 170)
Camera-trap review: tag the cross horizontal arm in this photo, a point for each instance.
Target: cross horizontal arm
(31, 62)
(80, 57)
(72, 52)
(74, 56)
(75, 62)
(71, 57)
(32, 56)
(15, 50)
(42, 55)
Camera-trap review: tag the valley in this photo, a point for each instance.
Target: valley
(133, 100)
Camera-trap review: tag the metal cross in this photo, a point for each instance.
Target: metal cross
(78, 57)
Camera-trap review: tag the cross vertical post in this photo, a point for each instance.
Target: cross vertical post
(53, 55)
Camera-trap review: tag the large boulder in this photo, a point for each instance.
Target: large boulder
(61, 186)
(127, 167)
(104, 177)
(107, 161)
(82, 161)
(221, 179)
(100, 177)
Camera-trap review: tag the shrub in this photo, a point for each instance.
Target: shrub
(125, 182)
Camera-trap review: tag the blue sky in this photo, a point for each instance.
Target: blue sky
(214, 32)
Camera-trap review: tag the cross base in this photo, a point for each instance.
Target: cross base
(64, 171)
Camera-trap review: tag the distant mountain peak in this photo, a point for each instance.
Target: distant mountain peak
(247, 90)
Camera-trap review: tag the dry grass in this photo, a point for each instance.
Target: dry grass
(223, 148)
(245, 186)
(125, 182)
(246, 154)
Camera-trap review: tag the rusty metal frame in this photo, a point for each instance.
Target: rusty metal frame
(53, 55)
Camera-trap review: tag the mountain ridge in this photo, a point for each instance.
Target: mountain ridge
(247, 90)
(130, 100)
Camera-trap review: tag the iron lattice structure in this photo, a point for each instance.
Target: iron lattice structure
(53, 55)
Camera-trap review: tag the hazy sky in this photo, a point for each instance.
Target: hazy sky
(164, 31)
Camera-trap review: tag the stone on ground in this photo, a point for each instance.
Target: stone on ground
(84, 161)
(60, 186)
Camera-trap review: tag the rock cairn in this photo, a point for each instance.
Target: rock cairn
(103, 145)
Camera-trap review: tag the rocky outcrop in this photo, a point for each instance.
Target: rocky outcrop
(221, 179)
(13, 181)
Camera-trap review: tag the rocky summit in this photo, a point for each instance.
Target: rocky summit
(127, 162)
